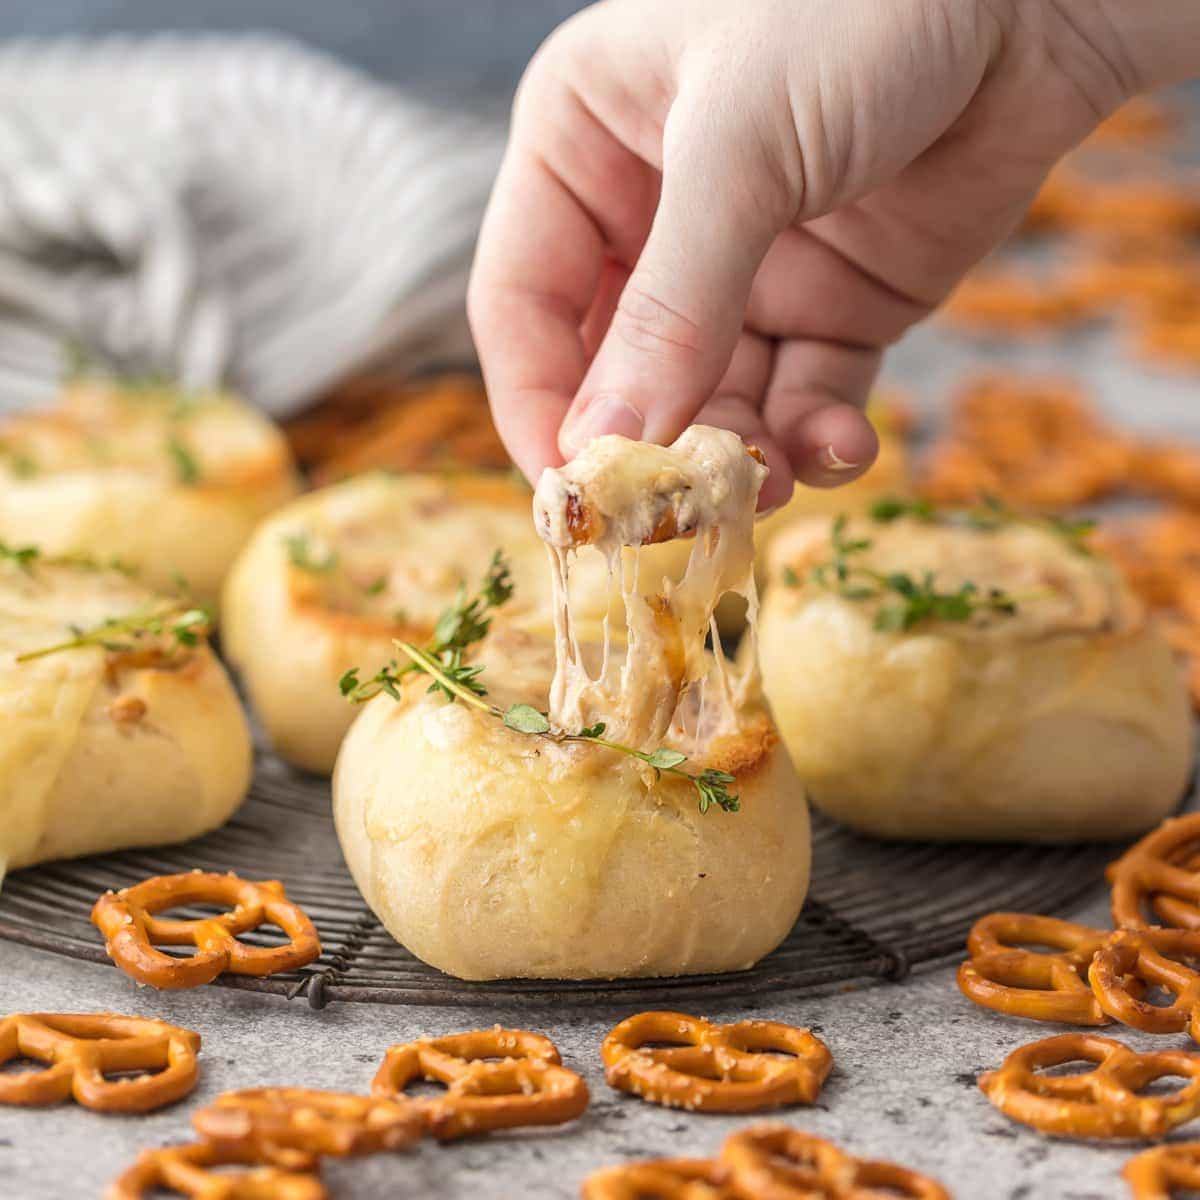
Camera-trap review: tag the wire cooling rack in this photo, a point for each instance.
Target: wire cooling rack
(875, 910)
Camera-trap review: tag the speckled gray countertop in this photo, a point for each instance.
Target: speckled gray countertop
(903, 1088)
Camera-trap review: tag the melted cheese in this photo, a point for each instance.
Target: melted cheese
(617, 496)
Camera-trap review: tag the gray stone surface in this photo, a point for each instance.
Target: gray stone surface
(903, 1088)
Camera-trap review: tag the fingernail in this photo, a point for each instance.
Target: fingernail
(827, 457)
(603, 413)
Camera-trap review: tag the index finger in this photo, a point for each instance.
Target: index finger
(536, 270)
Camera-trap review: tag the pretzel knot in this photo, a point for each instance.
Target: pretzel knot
(187, 1170)
(126, 918)
(1158, 871)
(1155, 1174)
(292, 1127)
(1131, 961)
(1002, 975)
(1101, 1103)
(744, 1067)
(661, 1179)
(776, 1162)
(495, 1079)
(82, 1048)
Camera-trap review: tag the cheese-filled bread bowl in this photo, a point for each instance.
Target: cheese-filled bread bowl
(512, 806)
(978, 675)
(167, 482)
(120, 727)
(329, 581)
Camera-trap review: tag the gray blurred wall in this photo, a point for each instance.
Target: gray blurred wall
(445, 49)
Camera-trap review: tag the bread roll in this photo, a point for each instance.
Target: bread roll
(1064, 719)
(676, 843)
(168, 483)
(101, 749)
(330, 580)
(492, 854)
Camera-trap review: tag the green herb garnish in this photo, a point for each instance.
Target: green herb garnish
(467, 622)
(185, 628)
(907, 600)
(186, 466)
(301, 555)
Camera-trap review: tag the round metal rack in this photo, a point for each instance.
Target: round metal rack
(875, 911)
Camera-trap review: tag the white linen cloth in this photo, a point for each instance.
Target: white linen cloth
(228, 209)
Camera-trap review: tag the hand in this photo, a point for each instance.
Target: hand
(723, 212)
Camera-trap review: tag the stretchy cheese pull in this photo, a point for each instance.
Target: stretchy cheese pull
(618, 496)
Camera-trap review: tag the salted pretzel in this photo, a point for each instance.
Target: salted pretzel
(661, 1179)
(495, 1079)
(82, 1049)
(188, 1171)
(1156, 870)
(131, 930)
(744, 1067)
(291, 1127)
(1002, 975)
(777, 1162)
(1102, 1103)
(1157, 1173)
(1133, 960)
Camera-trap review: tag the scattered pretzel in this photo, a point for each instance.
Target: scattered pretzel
(745, 1067)
(186, 1170)
(661, 1179)
(527, 1086)
(126, 918)
(1101, 1103)
(1134, 960)
(1154, 871)
(1002, 975)
(291, 1127)
(1006, 302)
(776, 1162)
(1155, 1174)
(82, 1047)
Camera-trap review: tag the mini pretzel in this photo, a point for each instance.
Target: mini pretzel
(1156, 870)
(131, 930)
(1132, 959)
(661, 1179)
(291, 1127)
(1155, 1174)
(1102, 1103)
(715, 1068)
(185, 1169)
(527, 1086)
(82, 1047)
(776, 1162)
(1003, 976)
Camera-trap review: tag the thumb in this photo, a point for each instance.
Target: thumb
(677, 322)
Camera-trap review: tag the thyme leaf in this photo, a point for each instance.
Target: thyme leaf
(302, 556)
(184, 627)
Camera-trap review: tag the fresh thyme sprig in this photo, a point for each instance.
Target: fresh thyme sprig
(712, 786)
(989, 514)
(184, 627)
(467, 622)
(910, 600)
(463, 624)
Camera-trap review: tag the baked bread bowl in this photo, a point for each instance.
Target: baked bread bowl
(120, 726)
(169, 483)
(971, 676)
(572, 810)
(330, 580)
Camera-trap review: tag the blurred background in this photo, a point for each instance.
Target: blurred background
(448, 50)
